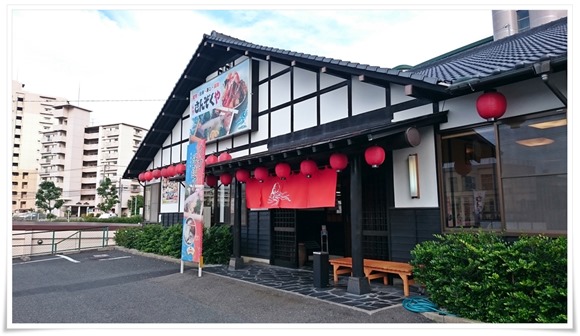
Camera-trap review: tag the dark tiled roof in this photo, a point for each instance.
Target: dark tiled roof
(549, 41)
(507, 58)
(219, 37)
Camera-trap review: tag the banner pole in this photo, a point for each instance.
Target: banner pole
(181, 267)
(200, 265)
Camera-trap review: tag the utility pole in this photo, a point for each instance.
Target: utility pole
(120, 197)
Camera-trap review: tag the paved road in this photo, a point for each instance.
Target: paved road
(118, 287)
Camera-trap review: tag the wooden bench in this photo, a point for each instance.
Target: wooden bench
(375, 269)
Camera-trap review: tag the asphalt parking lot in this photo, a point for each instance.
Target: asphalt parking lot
(118, 287)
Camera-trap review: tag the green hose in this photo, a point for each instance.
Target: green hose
(422, 305)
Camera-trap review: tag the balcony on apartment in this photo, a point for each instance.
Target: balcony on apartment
(59, 127)
(59, 150)
(91, 146)
(114, 155)
(88, 180)
(90, 157)
(111, 132)
(92, 135)
(88, 191)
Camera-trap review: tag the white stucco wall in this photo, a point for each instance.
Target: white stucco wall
(428, 196)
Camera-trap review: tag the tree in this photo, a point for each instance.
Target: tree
(48, 197)
(109, 195)
(134, 204)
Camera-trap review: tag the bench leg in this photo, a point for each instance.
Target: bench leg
(405, 283)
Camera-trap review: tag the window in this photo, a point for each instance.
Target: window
(509, 176)
(534, 174)
(523, 20)
(469, 171)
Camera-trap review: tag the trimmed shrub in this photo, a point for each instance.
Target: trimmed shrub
(482, 277)
(154, 238)
(217, 244)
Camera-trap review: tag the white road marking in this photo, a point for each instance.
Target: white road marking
(115, 258)
(68, 258)
(35, 261)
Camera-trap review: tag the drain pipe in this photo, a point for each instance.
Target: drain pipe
(542, 69)
(546, 80)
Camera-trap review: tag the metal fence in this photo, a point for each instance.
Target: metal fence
(29, 243)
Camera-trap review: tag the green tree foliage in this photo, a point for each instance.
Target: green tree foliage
(109, 195)
(134, 204)
(481, 276)
(48, 197)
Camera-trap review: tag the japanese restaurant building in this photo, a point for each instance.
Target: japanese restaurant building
(475, 139)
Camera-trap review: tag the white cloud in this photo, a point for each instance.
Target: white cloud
(126, 63)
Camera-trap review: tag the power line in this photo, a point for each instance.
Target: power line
(99, 100)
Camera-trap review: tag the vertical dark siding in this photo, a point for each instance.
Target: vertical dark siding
(168, 219)
(409, 227)
(256, 235)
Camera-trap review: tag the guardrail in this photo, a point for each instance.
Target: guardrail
(46, 242)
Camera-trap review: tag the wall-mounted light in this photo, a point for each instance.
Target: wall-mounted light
(414, 175)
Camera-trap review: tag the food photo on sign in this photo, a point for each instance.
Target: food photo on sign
(220, 107)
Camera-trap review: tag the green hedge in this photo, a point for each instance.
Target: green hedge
(154, 238)
(480, 276)
(125, 220)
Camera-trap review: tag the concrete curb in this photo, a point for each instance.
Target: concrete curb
(447, 318)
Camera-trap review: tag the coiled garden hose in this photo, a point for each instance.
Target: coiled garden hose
(422, 305)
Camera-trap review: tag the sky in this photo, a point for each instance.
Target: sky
(123, 64)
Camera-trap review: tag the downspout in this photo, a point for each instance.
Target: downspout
(543, 69)
(546, 79)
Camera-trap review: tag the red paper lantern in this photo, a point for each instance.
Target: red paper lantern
(338, 161)
(211, 180)
(171, 171)
(226, 179)
(261, 173)
(375, 156)
(283, 170)
(491, 105)
(225, 156)
(141, 177)
(180, 168)
(164, 172)
(148, 176)
(242, 175)
(308, 168)
(156, 173)
(211, 159)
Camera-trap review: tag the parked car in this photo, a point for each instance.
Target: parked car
(29, 216)
(108, 215)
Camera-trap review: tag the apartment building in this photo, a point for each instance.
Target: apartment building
(54, 141)
(108, 149)
(510, 22)
(77, 158)
(32, 114)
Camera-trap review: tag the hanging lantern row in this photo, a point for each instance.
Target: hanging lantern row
(169, 171)
(375, 156)
(212, 158)
(283, 170)
(338, 161)
(491, 105)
